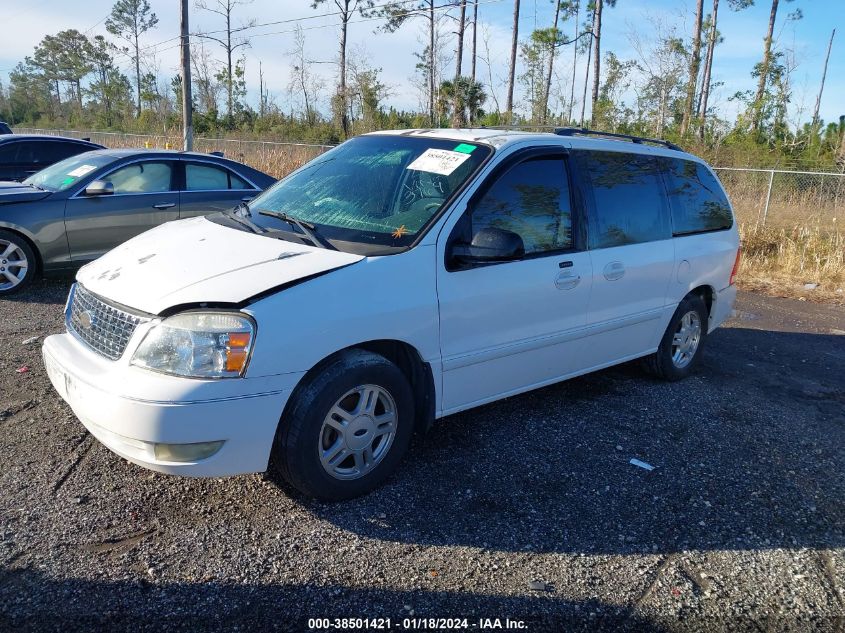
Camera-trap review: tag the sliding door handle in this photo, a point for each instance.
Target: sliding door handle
(567, 280)
(614, 271)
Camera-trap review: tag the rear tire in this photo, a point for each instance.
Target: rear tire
(346, 429)
(682, 343)
(17, 263)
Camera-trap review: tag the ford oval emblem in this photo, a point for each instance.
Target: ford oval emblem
(86, 319)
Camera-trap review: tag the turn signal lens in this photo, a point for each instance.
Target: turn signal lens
(235, 360)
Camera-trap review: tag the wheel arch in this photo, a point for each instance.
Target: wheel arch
(707, 294)
(405, 356)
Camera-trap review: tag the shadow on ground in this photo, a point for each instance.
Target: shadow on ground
(748, 455)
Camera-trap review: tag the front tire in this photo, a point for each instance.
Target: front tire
(17, 263)
(346, 429)
(681, 346)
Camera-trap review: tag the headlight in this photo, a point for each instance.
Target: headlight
(198, 345)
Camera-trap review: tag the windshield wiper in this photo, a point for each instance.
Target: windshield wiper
(307, 228)
(242, 220)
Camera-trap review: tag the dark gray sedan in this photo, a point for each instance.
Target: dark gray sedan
(77, 209)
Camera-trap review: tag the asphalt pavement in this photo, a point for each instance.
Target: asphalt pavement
(527, 509)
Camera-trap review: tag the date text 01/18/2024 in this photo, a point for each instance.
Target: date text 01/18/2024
(414, 624)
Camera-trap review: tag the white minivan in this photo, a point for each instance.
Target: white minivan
(398, 278)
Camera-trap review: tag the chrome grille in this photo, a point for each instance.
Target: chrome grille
(104, 327)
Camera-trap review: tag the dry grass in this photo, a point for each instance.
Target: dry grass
(783, 262)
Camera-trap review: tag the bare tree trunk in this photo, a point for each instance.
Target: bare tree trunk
(661, 111)
(708, 70)
(457, 106)
(431, 63)
(137, 75)
(596, 59)
(757, 106)
(695, 62)
(341, 89)
(821, 87)
(512, 75)
(260, 89)
(842, 140)
(574, 62)
(551, 64)
(474, 39)
(587, 70)
(229, 79)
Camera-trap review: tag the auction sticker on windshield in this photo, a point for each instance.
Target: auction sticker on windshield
(439, 161)
(81, 171)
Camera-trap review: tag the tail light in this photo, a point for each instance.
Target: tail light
(736, 266)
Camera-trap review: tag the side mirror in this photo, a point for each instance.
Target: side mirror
(99, 188)
(490, 245)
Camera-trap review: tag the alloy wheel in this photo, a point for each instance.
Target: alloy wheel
(686, 339)
(13, 265)
(357, 433)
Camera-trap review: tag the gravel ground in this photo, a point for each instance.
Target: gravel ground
(527, 508)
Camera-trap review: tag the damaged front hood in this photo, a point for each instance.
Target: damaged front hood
(198, 261)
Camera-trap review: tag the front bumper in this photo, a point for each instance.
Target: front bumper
(130, 410)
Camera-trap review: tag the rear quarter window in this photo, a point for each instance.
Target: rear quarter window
(697, 201)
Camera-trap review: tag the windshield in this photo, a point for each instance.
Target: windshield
(380, 190)
(59, 176)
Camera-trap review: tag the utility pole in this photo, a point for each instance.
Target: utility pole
(187, 102)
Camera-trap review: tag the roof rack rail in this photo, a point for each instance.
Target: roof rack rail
(521, 127)
(578, 131)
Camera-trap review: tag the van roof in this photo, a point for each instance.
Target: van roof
(568, 137)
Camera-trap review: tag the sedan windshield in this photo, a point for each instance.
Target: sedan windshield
(379, 190)
(65, 173)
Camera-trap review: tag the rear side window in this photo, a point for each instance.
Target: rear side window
(9, 152)
(532, 200)
(698, 203)
(209, 178)
(629, 201)
(49, 152)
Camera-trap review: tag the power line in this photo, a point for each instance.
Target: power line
(302, 19)
(422, 11)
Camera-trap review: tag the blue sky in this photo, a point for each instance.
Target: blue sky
(743, 34)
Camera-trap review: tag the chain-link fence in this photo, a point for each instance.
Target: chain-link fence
(786, 199)
(275, 158)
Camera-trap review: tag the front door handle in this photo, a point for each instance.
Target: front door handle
(247, 198)
(567, 280)
(614, 271)
(164, 205)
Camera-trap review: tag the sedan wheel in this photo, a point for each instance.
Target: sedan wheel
(15, 264)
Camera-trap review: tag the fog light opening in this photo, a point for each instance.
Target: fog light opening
(186, 452)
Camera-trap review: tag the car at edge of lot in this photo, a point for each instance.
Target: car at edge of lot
(4, 128)
(22, 155)
(398, 278)
(77, 209)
